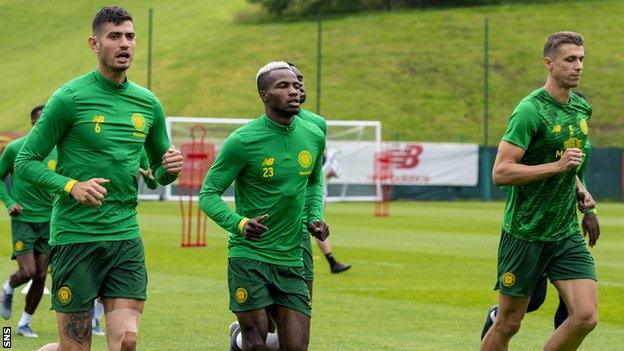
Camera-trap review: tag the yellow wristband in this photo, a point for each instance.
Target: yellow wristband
(241, 224)
(591, 210)
(70, 185)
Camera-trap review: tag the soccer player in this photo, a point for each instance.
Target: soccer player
(30, 208)
(591, 228)
(328, 171)
(276, 162)
(100, 122)
(98, 307)
(538, 157)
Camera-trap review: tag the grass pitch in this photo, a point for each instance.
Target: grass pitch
(420, 68)
(421, 280)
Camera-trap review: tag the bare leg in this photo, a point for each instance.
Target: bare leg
(324, 246)
(49, 347)
(119, 336)
(561, 314)
(33, 297)
(254, 328)
(293, 329)
(74, 330)
(511, 310)
(26, 270)
(581, 298)
(334, 266)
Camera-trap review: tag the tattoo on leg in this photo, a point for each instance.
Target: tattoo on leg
(78, 327)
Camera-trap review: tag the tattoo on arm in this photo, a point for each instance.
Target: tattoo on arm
(78, 327)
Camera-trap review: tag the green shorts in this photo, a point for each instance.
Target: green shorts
(110, 269)
(521, 264)
(30, 237)
(308, 259)
(255, 284)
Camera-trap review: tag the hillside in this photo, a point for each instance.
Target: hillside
(420, 72)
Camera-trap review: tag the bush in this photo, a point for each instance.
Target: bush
(278, 7)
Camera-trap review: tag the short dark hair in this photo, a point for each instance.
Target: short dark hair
(35, 110)
(114, 14)
(555, 40)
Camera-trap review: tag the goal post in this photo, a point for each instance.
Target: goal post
(353, 143)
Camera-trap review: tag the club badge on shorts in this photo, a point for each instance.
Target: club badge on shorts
(241, 295)
(509, 279)
(64, 295)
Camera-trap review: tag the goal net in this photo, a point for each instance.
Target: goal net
(351, 144)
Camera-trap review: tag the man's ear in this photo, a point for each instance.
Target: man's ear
(94, 44)
(263, 96)
(548, 63)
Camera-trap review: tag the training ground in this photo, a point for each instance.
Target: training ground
(421, 280)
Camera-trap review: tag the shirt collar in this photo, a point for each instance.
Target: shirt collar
(280, 127)
(107, 84)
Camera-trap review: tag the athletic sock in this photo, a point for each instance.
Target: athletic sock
(272, 342)
(8, 289)
(98, 310)
(26, 318)
(330, 259)
(239, 340)
(493, 315)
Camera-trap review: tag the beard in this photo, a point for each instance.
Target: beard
(116, 67)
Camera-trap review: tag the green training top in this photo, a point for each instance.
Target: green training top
(319, 121)
(545, 210)
(273, 165)
(99, 128)
(144, 164)
(36, 202)
(313, 118)
(582, 169)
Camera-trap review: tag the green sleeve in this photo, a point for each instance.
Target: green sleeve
(144, 164)
(582, 169)
(6, 166)
(523, 125)
(58, 115)
(156, 145)
(314, 190)
(230, 161)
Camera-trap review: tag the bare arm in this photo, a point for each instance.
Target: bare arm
(584, 199)
(509, 171)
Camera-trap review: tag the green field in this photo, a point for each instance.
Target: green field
(420, 72)
(421, 280)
